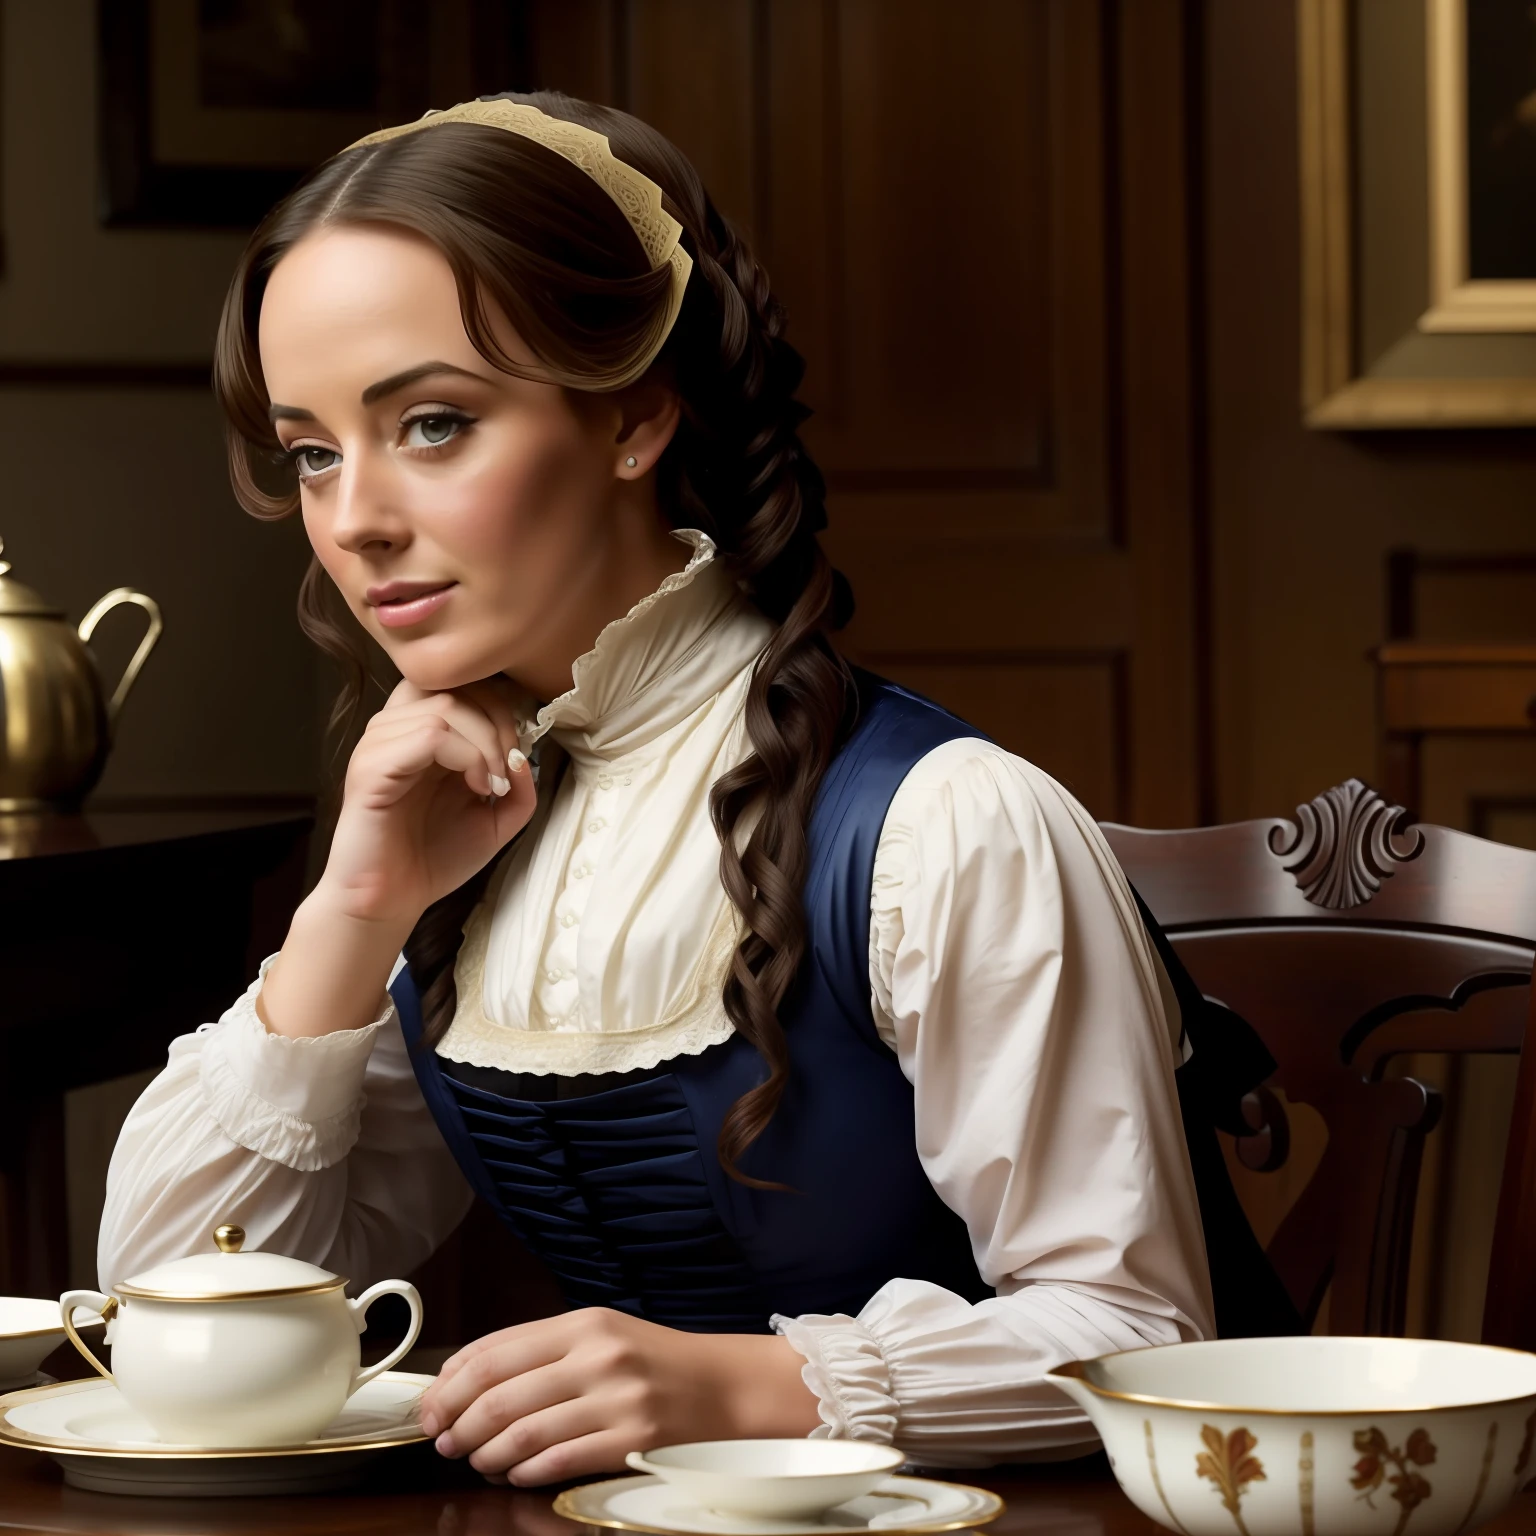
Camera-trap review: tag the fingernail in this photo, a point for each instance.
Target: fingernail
(499, 784)
(444, 1445)
(429, 1423)
(516, 761)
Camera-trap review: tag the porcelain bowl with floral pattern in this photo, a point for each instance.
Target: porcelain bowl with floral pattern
(1314, 1436)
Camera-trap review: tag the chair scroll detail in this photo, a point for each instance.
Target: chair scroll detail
(1350, 938)
(1344, 843)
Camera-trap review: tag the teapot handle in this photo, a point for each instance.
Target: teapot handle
(104, 605)
(359, 1308)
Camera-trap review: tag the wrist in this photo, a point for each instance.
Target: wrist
(331, 972)
(765, 1392)
(335, 903)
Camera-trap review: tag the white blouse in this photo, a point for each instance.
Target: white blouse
(1008, 968)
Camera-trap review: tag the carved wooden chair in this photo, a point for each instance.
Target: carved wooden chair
(1348, 938)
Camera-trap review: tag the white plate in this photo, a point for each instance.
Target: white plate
(899, 1505)
(103, 1445)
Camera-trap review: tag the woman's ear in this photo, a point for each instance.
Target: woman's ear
(648, 416)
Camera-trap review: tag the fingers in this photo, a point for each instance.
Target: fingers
(503, 1406)
(396, 754)
(458, 736)
(602, 1450)
(496, 700)
(490, 1361)
(482, 713)
(456, 1362)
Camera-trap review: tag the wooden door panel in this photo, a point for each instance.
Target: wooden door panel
(1068, 711)
(690, 75)
(928, 164)
(974, 211)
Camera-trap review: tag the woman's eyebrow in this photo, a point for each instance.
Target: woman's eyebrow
(410, 376)
(378, 391)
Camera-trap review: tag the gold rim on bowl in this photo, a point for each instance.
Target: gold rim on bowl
(93, 1321)
(1078, 1370)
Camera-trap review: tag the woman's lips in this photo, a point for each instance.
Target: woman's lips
(412, 610)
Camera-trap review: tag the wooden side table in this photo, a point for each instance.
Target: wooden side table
(119, 930)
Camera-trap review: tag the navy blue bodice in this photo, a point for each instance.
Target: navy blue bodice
(621, 1192)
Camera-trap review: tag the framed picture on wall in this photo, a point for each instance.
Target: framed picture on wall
(1418, 179)
(1482, 166)
(210, 110)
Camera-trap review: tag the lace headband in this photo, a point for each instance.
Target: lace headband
(638, 197)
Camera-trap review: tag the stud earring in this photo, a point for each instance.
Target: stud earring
(630, 462)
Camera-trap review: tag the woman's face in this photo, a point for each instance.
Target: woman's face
(475, 522)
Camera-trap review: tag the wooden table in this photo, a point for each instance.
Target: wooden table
(415, 1493)
(118, 931)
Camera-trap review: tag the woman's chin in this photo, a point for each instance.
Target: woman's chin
(440, 675)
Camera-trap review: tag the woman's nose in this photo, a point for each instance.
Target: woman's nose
(366, 510)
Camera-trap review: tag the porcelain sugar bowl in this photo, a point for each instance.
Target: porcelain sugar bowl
(237, 1349)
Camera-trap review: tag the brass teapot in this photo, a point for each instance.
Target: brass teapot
(56, 722)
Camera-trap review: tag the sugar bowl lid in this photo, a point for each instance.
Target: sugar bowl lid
(230, 1275)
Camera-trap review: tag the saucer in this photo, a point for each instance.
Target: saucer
(900, 1506)
(36, 1379)
(103, 1445)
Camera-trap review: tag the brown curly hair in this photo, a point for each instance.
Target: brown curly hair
(528, 234)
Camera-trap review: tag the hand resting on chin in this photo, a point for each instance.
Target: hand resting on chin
(573, 1394)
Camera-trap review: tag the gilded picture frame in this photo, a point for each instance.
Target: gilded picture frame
(1461, 299)
(1397, 329)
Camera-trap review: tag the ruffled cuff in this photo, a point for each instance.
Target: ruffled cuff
(846, 1370)
(298, 1102)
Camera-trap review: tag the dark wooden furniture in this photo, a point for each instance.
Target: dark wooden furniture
(1424, 689)
(118, 931)
(1349, 938)
(414, 1493)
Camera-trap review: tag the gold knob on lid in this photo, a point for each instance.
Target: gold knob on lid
(229, 1237)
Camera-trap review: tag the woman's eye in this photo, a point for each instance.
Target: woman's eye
(431, 431)
(315, 461)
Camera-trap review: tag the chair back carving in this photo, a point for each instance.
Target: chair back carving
(1347, 938)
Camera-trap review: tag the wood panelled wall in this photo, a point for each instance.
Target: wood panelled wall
(976, 216)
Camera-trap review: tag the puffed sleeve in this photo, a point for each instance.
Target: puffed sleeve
(320, 1148)
(1012, 975)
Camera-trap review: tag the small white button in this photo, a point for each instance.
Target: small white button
(628, 780)
(553, 974)
(569, 920)
(604, 782)
(579, 873)
(596, 824)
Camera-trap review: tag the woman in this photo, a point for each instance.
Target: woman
(815, 1042)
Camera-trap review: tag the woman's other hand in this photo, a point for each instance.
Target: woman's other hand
(574, 1394)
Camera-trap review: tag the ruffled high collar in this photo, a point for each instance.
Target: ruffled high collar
(666, 658)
